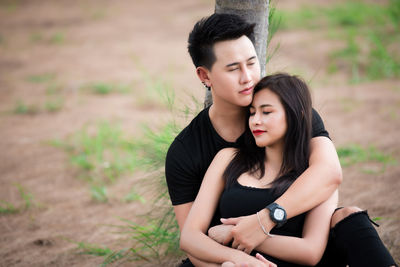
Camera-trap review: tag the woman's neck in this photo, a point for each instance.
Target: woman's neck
(274, 159)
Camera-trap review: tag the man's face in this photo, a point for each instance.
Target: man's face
(235, 72)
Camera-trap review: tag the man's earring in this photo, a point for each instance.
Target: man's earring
(206, 86)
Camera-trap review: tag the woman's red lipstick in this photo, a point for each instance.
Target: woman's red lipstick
(258, 132)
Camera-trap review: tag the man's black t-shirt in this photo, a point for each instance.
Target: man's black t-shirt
(192, 151)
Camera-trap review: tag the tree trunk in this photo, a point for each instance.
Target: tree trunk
(253, 11)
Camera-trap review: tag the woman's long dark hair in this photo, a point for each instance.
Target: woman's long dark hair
(296, 100)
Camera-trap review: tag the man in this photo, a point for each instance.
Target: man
(222, 50)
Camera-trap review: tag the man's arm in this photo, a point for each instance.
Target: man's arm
(317, 183)
(308, 249)
(310, 189)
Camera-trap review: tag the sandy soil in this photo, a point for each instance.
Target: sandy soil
(112, 41)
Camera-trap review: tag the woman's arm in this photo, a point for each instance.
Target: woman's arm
(193, 238)
(309, 249)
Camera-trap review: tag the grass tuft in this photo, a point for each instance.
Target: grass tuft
(134, 196)
(353, 154)
(103, 88)
(41, 78)
(54, 104)
(99, 193)
(92, 249)
(10, 208)
(23, 108)
(57, 38)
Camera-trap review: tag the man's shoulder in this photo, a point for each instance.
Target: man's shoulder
(194, 129)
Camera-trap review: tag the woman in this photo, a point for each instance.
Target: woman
(243, 181)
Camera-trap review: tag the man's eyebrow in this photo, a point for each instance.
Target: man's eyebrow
(237, 63)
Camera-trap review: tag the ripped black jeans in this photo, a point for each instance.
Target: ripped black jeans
(354, 241)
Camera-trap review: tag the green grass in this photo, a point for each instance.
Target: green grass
(99, 193)
(26, 197)
(23, 108)
(57, 38)
(370, 31)
(343, 14)
(105, 154)
(93, 249)
(103, 88)
(8, 208)
(134, 196)
(274, 20)
(41, 78)
(102, 155)
(107, 149)
(54, 104)
(109, 256)
(381, 64)
(53, 89)
(354, 154)
(153, 241)
(157, 91)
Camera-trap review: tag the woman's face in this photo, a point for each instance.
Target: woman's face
(267, 119)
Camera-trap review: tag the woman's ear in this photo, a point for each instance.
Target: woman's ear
(203, 74)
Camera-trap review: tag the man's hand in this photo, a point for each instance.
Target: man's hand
(247, 233)
(262, 262)
(221, 233)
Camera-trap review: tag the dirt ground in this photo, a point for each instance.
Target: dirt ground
(113, 41)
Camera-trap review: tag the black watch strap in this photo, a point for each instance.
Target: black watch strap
(277, 214)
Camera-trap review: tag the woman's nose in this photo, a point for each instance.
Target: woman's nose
(255, 120)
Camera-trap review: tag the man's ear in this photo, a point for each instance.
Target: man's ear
(203, 74)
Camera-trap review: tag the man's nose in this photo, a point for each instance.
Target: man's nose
(246, 77)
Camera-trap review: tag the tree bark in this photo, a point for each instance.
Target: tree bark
(253, 11)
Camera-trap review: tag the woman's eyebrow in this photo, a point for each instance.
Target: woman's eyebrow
(265, 105)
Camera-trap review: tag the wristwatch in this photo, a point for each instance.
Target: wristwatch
(277, 214)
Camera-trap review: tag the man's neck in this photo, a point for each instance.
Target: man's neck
(228, 121)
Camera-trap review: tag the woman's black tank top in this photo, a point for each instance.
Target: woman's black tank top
(239, 200)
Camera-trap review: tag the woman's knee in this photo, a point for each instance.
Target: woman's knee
(342, 213)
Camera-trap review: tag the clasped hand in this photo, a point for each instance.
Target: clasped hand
(245, 232)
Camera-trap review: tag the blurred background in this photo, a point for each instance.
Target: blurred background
(93, 92)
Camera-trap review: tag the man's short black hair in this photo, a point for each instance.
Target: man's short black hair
(212, 29)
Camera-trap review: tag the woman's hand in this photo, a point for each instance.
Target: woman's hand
(220, 233)
(247, 233)
(250, 261)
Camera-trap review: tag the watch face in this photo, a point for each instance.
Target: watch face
(279, 214)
